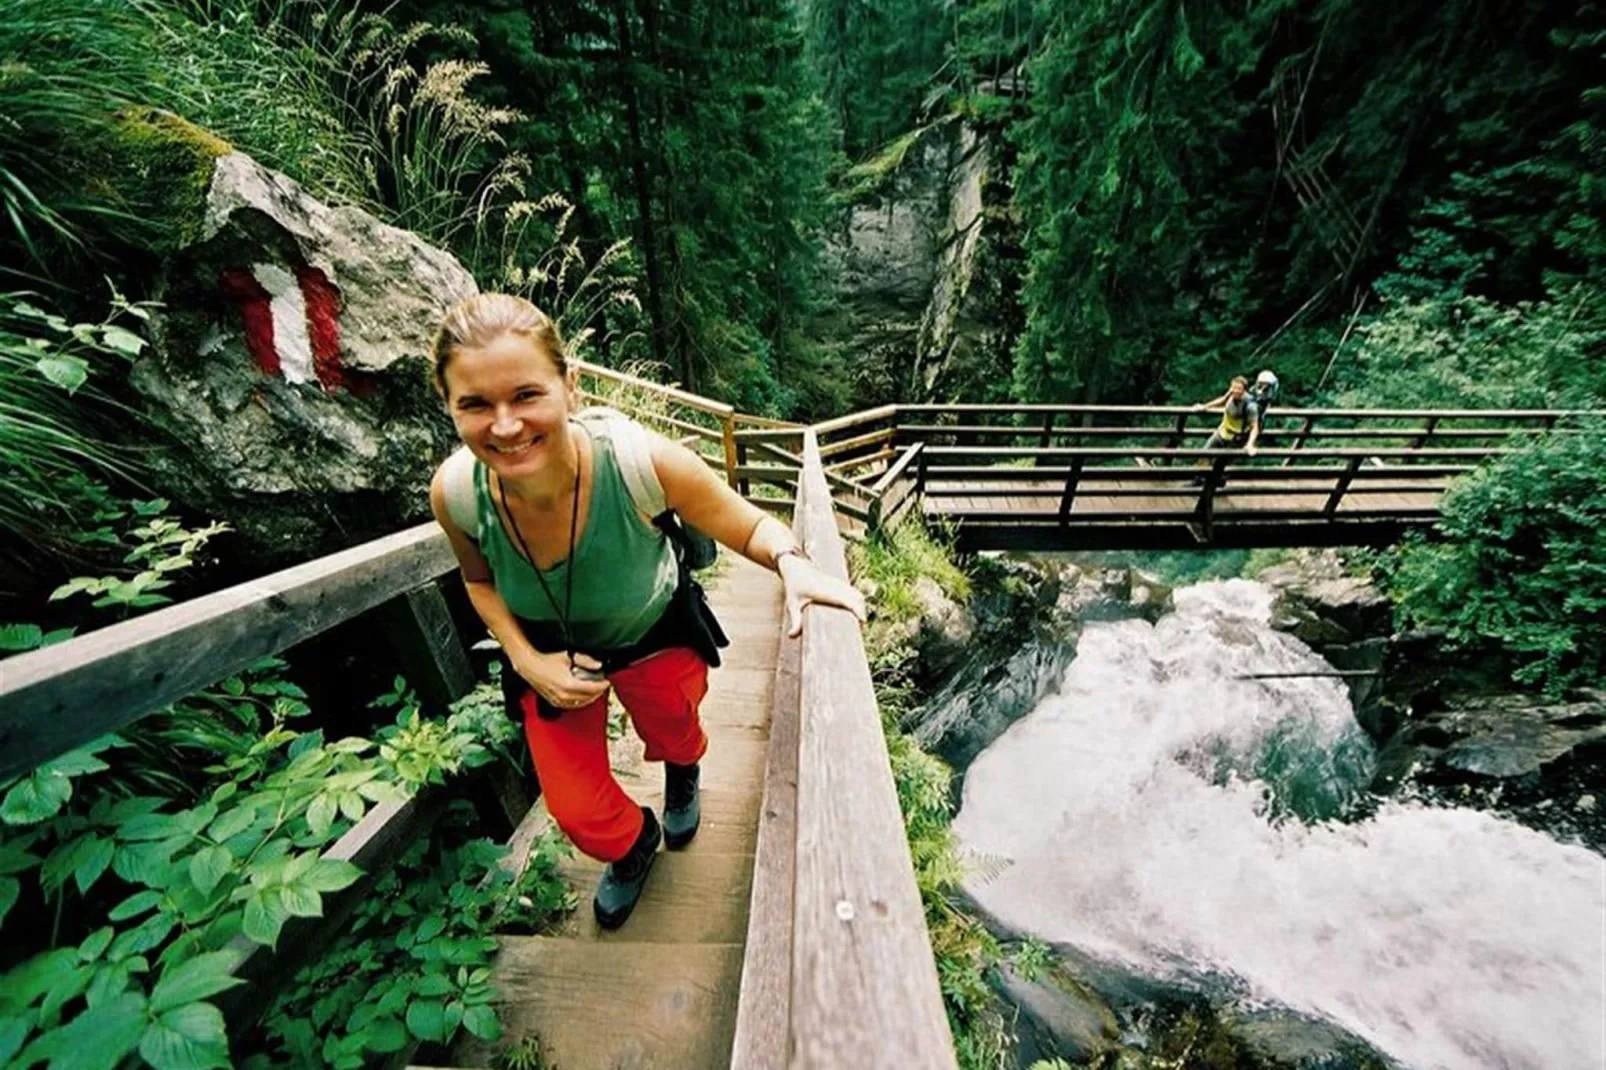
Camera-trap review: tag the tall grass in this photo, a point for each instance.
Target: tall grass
(51, 449)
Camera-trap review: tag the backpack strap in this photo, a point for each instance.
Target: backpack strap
(457, 474)
(632, 451)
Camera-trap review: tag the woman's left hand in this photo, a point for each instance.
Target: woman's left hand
(805, 583)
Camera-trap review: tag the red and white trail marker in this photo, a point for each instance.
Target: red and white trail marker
(292, 321)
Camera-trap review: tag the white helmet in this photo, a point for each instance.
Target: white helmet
(1266, 377)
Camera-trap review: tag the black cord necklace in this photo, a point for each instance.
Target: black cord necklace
(568, 578)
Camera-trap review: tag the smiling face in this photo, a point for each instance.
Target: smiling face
(511, 405)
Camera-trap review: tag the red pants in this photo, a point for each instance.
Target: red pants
(661, 694)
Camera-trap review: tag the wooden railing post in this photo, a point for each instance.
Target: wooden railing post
(1206, 511)
(1069, 494)
(742, 487)
(1299, 440)
(419, 627)
(1343, 485)
(1428, 427)
(1047, 437)
(732, 460)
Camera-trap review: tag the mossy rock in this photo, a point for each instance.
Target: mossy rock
(156, 167)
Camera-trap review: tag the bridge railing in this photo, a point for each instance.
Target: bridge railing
(838, 968)
(63, 696)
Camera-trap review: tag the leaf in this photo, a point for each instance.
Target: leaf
(321, 814)
(20, 636)
(233, 821)
(123, 341)
(195, 979)
(208, 866)
(94, 944)
(190, 1037)
(13, 1031)
(301, 901)
(483, 1023)
(330, 875)
(429, 929)
(148, 827)
(93, 858)
(76, 762)
(352, 805)
(134, 905)
(65, 371)
(435, 984)
(265, 915)
(426, 1019)
(150, 864)
(385, 1035)
(95, 1040)
(35, 798)
(10, 889)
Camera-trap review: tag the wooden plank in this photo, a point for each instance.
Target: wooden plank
(694, 896)
(858, 442)
(619, 1006)
(864, 985)
(57, 698)
(764, 1010)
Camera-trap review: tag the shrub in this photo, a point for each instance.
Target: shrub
(1524, 562)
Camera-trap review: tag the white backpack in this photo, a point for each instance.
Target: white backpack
(632, 451)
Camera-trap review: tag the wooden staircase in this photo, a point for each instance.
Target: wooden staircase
(660, 993)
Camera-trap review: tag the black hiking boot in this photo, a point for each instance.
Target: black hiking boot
(623, 880)
(682, 814)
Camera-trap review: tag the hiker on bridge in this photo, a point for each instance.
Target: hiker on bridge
(1240, 418)
(560, 520)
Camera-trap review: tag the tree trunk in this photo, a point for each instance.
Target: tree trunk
(643, 186)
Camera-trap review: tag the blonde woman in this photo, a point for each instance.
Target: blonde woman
(580, 586)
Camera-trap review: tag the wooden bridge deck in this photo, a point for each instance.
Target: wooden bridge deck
(660, 993)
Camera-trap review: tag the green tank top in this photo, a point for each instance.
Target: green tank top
(625, 569)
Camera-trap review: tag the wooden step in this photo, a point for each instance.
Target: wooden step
(617, 1006)
(692, 897)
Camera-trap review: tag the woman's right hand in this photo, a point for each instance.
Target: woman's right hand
(550, 676)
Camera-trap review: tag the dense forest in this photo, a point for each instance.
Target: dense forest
(1392, 205)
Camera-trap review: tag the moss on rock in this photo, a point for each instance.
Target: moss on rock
(156, 167)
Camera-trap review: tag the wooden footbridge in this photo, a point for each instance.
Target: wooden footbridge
(790, 933)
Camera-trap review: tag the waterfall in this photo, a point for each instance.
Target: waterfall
(1162, 813)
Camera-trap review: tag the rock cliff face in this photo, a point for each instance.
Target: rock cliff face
(924, 270)
(989, 664)
(290, 365)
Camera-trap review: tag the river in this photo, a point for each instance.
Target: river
(1161, 813)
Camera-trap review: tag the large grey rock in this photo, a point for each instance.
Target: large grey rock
(1540, 763)
(311, 432)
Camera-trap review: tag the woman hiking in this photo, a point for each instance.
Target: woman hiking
(544, 508)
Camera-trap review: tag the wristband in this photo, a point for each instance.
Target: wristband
(791, 551)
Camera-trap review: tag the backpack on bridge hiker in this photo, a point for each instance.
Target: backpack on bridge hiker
(1264, 393)
(632, 451)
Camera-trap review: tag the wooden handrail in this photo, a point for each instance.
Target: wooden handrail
(1183, 410)
(854, 419)
(691, 401)
(62, 696)
(1008, 453)
(864, 988)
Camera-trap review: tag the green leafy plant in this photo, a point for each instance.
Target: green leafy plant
(526, 1054)
(1522, 564)
(414, 964)
(161, 545)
